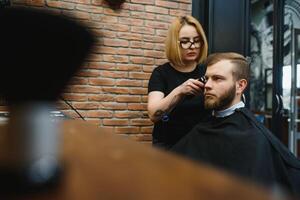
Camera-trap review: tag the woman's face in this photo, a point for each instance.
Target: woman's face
(190, 43)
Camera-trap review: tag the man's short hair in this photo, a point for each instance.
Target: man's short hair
(173, 50)
(241, 69)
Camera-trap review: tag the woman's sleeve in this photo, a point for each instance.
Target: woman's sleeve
(157, 82)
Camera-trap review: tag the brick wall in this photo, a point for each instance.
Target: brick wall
(111, 88)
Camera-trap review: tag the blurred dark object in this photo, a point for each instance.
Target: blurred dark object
(4, 3)
(115, 4)
(39, 53)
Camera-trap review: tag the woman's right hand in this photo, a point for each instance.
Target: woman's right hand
(159, 104)
(191, 87)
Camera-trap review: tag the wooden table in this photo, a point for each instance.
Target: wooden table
(101, 165)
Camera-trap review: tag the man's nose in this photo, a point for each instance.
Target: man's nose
(207, 84)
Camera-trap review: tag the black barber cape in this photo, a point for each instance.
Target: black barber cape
(243, 146)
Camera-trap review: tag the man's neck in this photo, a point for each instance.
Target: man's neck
(228, 111)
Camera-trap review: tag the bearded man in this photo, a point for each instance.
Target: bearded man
(231, 139)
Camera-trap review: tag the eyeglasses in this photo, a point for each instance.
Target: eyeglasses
(186, 43)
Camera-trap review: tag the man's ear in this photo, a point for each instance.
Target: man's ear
(241, 86)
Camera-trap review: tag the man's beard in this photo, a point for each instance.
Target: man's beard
(222, 102)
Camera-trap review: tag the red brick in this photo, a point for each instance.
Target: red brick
(60, 4)
(114, 74)
(104, 34)
(88, 73)
(142, 45)
(101, 81)
(84, 89)
(127, 114)
(92, 24)
(104, 50)
(85, 106)
(62, 105)
(115, 58)
(97, 2)
(147, 130)
(101, 97)
(141, 122)
(155, 39)
(138, 91)
(94, 57)
(121, 13)
(162, 33)
(127, 98)
(154, 54)
(149, 2)
(116, 27)
(136, 7)
(79, 1)
(137, 106)
(185, 6)
(115, 122)
(115, 42)
(77, 14)
(101, 65)
(89, 8)
(97, 113)
(148, 68)
(130, 36)
(160, 47)
(124, 82)
(115, 90)
(127, 130)
(142, 29)
(131, 21)
(157, 25)
(130, 51)
(178, 13)
(113, 106)
(145, 98)
(141, 60)
(160, 61)
(128, 67)
(104, 18)
(145, 83)
(167, 4)
(38, 3)
(78, 81)
(139, 75)
(184, 1)
(158, 10)
(142, 15)
(74, 97)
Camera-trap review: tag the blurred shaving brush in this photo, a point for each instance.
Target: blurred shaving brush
(39, 53)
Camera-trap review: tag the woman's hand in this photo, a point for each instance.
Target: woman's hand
(159, 104)
(191, 87)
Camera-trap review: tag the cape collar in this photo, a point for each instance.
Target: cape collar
(228, 111)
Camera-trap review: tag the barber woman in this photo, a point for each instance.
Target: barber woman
(175, 100)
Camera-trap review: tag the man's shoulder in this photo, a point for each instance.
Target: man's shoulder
(275, 144)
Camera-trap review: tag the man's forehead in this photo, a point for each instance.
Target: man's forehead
(223, 67)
